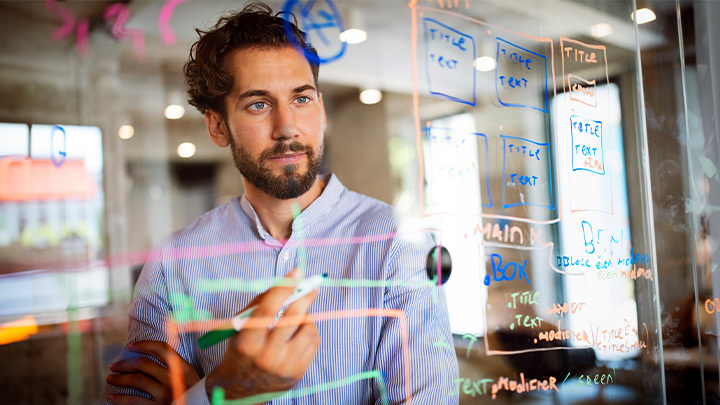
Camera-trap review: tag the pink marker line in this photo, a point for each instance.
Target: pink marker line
(168, 36)
(66, 15)
(121, 14)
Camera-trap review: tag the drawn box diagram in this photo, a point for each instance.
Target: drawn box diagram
(449, 60)
(520, 77)
(587, 146)
(457, 170)
(516, 307)
(591, 61)
(527, 175)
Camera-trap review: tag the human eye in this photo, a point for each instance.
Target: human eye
(257, 106)
(303, 99)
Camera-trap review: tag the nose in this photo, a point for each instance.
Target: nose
(285, 128)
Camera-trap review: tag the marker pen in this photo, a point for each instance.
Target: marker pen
(233, 326)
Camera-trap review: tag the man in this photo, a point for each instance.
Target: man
(383, 333)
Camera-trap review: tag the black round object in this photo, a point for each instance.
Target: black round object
(444, 261)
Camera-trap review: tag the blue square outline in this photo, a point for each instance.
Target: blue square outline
(427, 131)
(427, 71)
(602, 148)
(497, 92)
(545, 144)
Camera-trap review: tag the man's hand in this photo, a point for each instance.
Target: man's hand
(262, 360)
(148, 376)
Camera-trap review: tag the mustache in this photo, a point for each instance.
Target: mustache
(281, 148)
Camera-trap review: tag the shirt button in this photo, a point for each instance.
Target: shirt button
(285, 256)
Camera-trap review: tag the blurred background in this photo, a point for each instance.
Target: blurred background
(101, 157)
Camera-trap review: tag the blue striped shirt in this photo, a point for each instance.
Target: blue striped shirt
(214, 267)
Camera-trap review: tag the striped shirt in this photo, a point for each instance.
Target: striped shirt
(385, 335)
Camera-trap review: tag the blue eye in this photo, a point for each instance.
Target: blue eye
(257, 105)
(303, 99)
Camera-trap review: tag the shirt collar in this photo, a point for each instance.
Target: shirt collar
(330, 196)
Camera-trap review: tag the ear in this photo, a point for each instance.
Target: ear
(216, 128)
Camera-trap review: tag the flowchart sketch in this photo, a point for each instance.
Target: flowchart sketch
(457, 172)
(527, 173)
(449, 59)
(520, 76)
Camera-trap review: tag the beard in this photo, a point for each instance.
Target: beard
(288, 185)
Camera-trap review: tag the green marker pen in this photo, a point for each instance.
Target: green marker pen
(235, 324)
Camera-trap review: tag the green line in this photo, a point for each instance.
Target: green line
(218, 396)
(302, 258)
(232, 284)
(256, 399)
(74, 352)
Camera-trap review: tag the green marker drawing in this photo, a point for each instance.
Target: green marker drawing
(218, 396)
(233, 284)
(301, 237)
(261, 398)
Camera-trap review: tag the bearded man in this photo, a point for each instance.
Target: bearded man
(384, 339)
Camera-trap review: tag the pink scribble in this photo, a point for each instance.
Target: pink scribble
(168, 36)
(82, 37)
(65, 14)
(120, 13)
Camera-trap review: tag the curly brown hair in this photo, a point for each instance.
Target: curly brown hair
(207, 77)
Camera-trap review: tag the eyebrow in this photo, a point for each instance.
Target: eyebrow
(263, 93)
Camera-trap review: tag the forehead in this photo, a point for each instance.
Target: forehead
(262, 67)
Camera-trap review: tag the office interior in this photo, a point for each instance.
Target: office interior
(101, 157)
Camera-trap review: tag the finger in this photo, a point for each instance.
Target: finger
(304, 345)
(138, 381)
(141, 365)
(269, 304)
(292, 319)
(161, 350)
(119, 399)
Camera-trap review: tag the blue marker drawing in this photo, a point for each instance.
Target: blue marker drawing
(450, 58)
(58, 152)
(429, 135)
(534, 151)
(502, 272)
(531, 70)
(318, 23)
(587, 147)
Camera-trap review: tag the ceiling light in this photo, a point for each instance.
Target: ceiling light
(601, 30)
(353, 36)
(370, 96)
(174, 111)
(186, 150)
(644, 15)
(126, 132)
(485, 63)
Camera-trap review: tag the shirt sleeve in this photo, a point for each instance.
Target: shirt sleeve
(149, 313)
(419, 335)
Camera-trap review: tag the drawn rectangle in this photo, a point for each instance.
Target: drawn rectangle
(587, 145)
(455, 163)
(527, 173)
(520, 76)
(450, 58)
